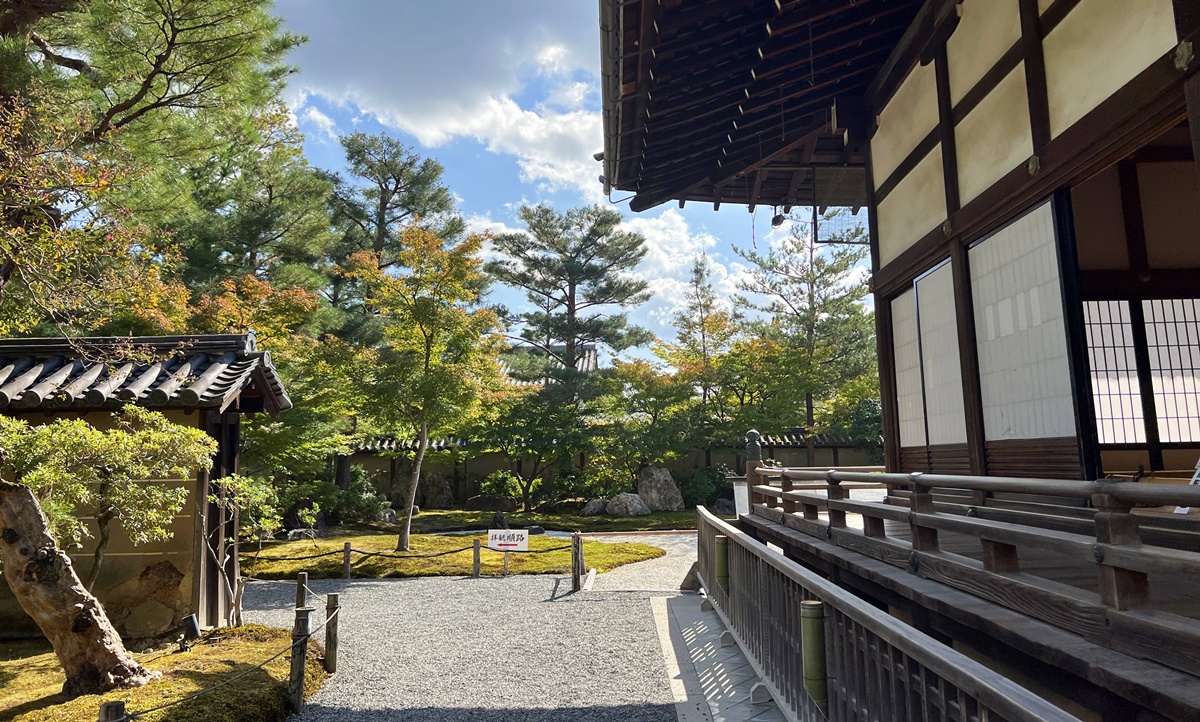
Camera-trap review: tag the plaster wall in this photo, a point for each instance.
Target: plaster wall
(986, 30)
(908, 117)
(995, 137)
(915, 206)
(1098, 47)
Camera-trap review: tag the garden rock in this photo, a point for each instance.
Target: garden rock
(297, 534)
(387, 516)
(536, 530)
(658, 490)
(627, 505)
(724, 507)
(595, 507)
(491, 502)
(436, 493)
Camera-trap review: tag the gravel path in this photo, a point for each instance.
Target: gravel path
(657, 575)
(483, 650)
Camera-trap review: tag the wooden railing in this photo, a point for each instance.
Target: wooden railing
(876, 666)
(1106, 537)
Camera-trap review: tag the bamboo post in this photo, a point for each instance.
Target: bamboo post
(812, 645)
(475, 566)
(112, 712)
(332, 607)
(300, 634)
(346, 560)
(721, 549)
(302, 590)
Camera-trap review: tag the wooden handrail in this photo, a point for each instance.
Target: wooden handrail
(992, 690)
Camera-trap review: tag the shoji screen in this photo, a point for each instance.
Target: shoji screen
(909, 399)
(942, 370)
(1024, 371)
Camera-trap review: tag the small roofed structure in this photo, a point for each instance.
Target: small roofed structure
(204, 381)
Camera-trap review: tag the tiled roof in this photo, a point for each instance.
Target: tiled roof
(587, 361)
(199, 371)
(796, 439)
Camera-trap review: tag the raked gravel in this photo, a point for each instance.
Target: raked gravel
(658, 575)
(456, 649)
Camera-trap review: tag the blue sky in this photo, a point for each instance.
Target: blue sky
(506, 95)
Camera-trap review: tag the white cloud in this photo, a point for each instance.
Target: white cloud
(408, 65)
(322, 122)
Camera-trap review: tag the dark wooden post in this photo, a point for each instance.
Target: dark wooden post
(346, 560)
(302, 589)
(1119, 588)
(754, 461)
(576, 562)
(721, 561)
(475, 565)
(789, 505)
(837, 517)
(300, 634)
(112, 711)
(332, 607)
(924, 539)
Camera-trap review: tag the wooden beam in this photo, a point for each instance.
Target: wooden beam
(946, 130)
(1125, 285)
(968, 356)
(931, 21)
(1135, 227)
(758, 181)
(1035, 73)
(1141, 353)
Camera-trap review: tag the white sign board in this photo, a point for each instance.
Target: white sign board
(508, 540)
(1195, 482)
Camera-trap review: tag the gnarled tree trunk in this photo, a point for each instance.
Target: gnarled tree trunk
(43, 581)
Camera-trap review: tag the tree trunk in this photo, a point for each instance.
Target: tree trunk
(341, 471)
(104, 521)
(43, 581)
(809, 442)
(410, 496)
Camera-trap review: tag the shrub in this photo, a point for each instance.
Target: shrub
(501, 482)
(703, 486)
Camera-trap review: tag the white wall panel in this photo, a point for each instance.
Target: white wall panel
(1100, 46)
(915, 207)
(940, 361)
(1024, 371)
(995, 137)
(907, 360)
(906, 119)
(987, 30)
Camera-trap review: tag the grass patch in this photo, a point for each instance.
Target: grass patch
(434, 520)
(30, 680)
(269, 565)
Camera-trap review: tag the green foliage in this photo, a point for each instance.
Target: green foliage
(359, 502)
(703, 485)
(71, 465)
(500, 483)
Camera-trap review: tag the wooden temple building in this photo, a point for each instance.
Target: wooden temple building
(1030, 172)
(205, 381)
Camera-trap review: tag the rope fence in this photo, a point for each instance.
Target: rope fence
(348, 550)
(303, 631)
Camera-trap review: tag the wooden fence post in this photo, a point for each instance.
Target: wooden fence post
(475, 567)
(754, 461)
(837, 517)
(576, 562)
(302, 590)
(721, 560)
(346, 560)
(924, 539)
(332, 607)
(812, 646)
(112, 711)
(300, 634)
(1119, 588)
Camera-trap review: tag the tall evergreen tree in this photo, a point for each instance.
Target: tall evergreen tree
(576, 271)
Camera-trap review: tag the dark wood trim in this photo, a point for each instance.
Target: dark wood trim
(1055, 14)
(1187, 17)
(968, 354)
(936, 18)
(1077, 349)
(1141, 110)
(1050, 458)
(910, 161)
(949, 459)
(1035, 73)
(941, 68)
(1141, 353)
(1131, 211)
(1125, 285)
(884, 343)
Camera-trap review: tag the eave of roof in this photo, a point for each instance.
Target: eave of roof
(185, 372)
(734, 102)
